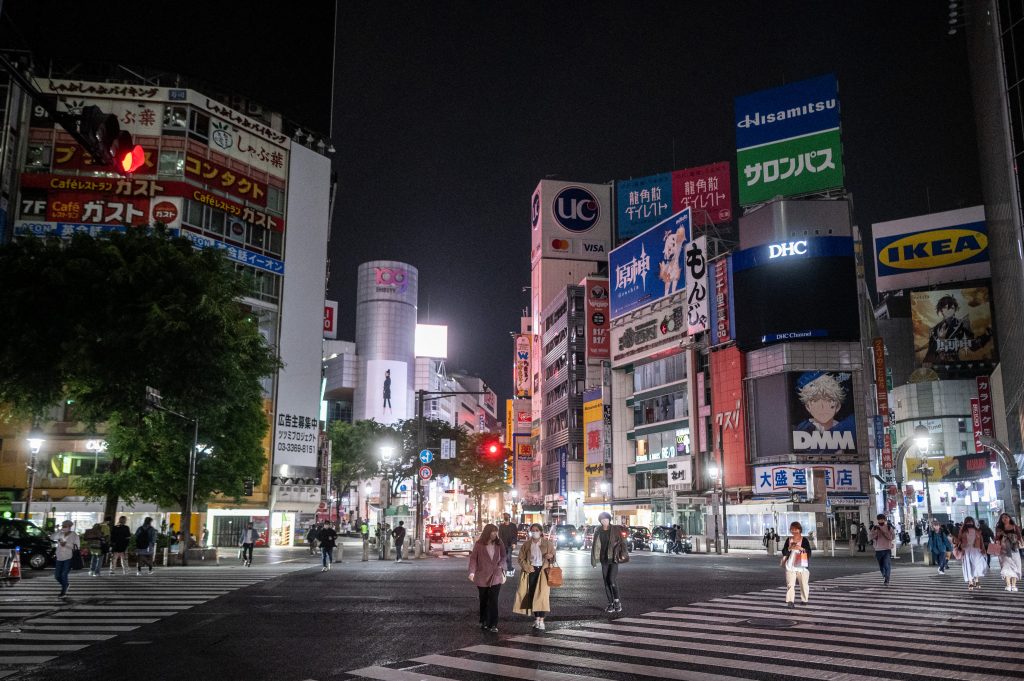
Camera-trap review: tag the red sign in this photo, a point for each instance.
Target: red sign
(100, 210)
(70, 156)
(722, 301)
(597, 323)
(705, 189)
(223, 178)
(165, 212)
(329, 321)
(882, 398)
(524, 417)
(425, 472)
(728, 408)
(976, 423)
(985, 405)
(887, 462)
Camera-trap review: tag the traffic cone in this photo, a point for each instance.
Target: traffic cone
(15, 572)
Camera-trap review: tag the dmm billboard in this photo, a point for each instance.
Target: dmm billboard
(787, 140)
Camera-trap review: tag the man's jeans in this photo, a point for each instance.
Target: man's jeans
(398, 549)
(326, 555)
(508, 557)
(884, 559)
(939, 558)
(61, 572)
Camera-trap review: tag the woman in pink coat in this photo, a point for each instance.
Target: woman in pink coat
(487, 571)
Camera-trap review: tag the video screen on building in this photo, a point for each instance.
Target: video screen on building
(953, 332)
(795, 291)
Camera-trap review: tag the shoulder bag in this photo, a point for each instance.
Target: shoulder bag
(995, 548)
(554, 576)
(621, 553)
(76, 559)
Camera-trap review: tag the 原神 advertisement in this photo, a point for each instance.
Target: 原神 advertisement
(821, 408)
(953, 329)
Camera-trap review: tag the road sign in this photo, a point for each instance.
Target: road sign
(426, 456)
(425, 473)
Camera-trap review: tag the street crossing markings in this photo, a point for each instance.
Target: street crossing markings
(835, 637)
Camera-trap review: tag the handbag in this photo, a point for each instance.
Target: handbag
(554, 576)
(76, 559)
(621, 553)
(958, 553)
(995, 549)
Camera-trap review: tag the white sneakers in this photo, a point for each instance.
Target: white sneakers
(539, 624)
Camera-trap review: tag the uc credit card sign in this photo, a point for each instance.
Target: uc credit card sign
(787, 140)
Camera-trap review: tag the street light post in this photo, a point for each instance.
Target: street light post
(713, 472)
(35, 443)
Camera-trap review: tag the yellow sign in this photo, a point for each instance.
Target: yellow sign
(593, 446)
(933, 248)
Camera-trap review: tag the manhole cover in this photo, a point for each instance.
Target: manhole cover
(770, 622)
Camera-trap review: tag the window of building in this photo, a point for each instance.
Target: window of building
(256, 236)
(192, 213)
(275, 199)
(651, 480)
(216, 221)
(659, 372)
(171, 163)
(38, 157)
(199, 124)
(666, 407)
(175, 118)
(275, 243)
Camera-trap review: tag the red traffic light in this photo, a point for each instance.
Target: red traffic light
(128, 157)
(491, 448)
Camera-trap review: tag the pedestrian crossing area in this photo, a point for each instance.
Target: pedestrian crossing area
(36, 626)
(922, 626)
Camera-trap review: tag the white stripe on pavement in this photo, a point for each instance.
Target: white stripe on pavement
(506, 670)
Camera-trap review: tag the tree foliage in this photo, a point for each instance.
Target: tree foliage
(98, 320)
(479, 474)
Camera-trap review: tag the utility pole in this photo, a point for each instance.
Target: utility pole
(421, 443)
(725, 500)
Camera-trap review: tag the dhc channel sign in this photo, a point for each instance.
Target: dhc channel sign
(576, 209)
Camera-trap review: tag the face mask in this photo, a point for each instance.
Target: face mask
(535, 535)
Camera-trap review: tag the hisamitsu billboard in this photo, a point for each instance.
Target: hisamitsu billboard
(650, 266)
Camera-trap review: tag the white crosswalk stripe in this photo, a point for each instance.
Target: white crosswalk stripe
(853, 629)
(36, 626)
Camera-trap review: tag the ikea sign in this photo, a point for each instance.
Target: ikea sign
(932, 249)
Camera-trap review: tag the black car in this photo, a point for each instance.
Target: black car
(37, 549)
(639, 539)
(567, 537)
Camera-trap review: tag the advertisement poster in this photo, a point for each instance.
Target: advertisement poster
(705, 189)
(985, 406)
(650, 266)
(697, 297)
(821, 409)
(571, 221)
(642, 203)
(593, 442)
(597, 321)
(953, 331)
(521, 365)
(727, 401)
(951, 468)
(787, 140)
(926, 250)
(387, 388)
(721, 304)
(330, 319)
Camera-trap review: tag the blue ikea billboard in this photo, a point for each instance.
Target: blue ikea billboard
(634, 281)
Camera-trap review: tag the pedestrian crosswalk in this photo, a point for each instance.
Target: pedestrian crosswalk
(36, 626)
(853, 629)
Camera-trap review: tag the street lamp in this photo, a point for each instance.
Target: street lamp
(604, 486)
(515, 503)
(35, 443)
(367, 501)
(713, 473)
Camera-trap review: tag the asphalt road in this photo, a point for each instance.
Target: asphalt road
(312, 625)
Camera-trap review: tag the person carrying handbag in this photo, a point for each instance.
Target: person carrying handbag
(608, 551)
(533, 596)
(796, 558)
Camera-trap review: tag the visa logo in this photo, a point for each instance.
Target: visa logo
(593, 248)
(933, 248)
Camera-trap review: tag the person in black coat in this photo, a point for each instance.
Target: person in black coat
(328, 539)
(796, 558)
(862, 538)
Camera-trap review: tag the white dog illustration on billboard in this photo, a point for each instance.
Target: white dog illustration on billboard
(669, 270)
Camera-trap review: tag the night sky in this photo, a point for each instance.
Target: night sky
(448, 113)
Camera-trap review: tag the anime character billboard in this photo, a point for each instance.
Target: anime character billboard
(953, 330)
(821, 407)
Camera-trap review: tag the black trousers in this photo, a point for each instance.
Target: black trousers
(531, 585)
(609, 571)
(247, 552)
(489, 604)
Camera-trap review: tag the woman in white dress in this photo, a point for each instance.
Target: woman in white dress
(972, 555)
(1009, 537)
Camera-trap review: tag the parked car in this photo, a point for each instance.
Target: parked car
(639, 539)
(568, 537)
(37, 549)
(457, 542)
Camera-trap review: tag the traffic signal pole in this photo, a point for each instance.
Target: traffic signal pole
(421, 442)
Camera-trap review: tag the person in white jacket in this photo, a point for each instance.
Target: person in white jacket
(67, 541)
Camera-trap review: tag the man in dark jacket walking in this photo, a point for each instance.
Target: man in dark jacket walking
(398, 534)
(508, 533)
(328, 539)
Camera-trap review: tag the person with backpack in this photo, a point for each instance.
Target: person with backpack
(145, 545)
(609, 551)
(248, 542)
(98, 543)
(311, 538)
(398, 534)
(120, 537)
(938, 545)
(328, 540)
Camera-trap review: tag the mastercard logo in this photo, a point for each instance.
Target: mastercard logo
(560, 244)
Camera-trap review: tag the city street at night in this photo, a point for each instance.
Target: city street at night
(684, 617)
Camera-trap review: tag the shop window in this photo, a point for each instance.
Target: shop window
(192, 213)
(216, 221)
(171, 163)
(256, 236)
(38, 157)
(199, 125)
(275, 243)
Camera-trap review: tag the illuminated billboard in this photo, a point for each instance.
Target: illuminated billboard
(953, 331)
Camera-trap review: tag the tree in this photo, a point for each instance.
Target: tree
(479, 474)
(352, 451)
(408, 464)
(98, 320)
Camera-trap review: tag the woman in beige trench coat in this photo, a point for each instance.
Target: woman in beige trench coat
(533, 597)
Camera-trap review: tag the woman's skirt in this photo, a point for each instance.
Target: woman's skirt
(1009, 564)
(974, 563)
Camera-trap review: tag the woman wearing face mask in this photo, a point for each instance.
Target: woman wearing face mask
(487, 571)
(608, 551)
(972, 557)
(882, 536)
(533, 595)
(796, 558)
